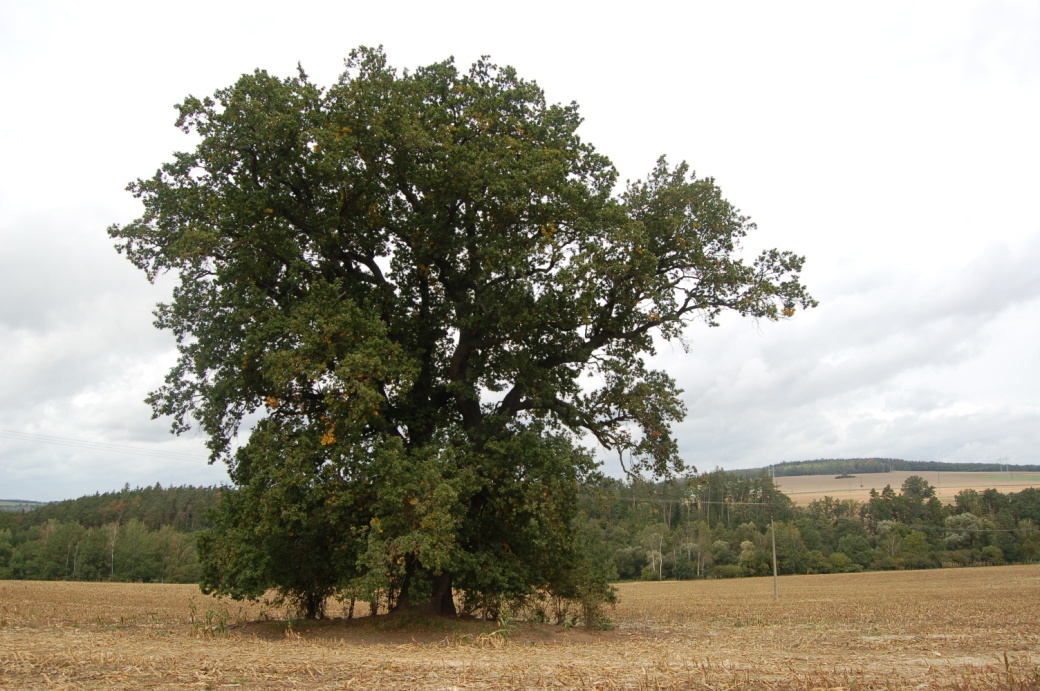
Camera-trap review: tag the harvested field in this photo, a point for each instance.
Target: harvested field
(803, 489)
(964, 628)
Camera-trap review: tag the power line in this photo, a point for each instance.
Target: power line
(98, 446)
(691, 501)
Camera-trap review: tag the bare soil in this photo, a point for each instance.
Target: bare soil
(963, 628)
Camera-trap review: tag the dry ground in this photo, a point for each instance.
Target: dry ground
(804, 488)
(965, 628)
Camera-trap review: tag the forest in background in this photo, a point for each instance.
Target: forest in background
(717, 525)
(839, 466)
(136, 535)
(721, 525)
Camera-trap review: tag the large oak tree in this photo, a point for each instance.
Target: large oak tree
(422, 294)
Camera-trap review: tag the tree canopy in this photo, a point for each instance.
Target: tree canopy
(421, 293)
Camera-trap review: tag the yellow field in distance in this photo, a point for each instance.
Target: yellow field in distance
(803, 489)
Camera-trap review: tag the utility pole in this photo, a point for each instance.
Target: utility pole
(776, 581)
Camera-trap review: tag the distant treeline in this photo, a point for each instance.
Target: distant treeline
(839, 466)
(720, 525)
(717, 525)
(182, 508)
(145, 534)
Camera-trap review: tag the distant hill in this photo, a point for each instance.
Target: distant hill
(854, 466)
(184, 508)
(20, 505)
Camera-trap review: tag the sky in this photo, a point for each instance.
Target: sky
(896, 145)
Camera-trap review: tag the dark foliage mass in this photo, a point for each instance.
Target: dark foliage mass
(181, 508)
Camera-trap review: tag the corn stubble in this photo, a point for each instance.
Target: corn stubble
(959, 629)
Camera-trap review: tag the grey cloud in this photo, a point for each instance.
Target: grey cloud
(54, 265)
(875, 372)
(863, 339)
(51, 475)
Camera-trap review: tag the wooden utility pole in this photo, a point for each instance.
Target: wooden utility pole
(776, 581)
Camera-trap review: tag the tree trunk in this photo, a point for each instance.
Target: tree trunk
(441, 602)
(443, 595)
(313, 605)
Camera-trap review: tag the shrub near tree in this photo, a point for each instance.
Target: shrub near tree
(404, 279)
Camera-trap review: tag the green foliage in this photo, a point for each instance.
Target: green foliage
(131, 535)
(405, 279)
(1026, 504)
(182, 508)
(1029, 540)
(793, 555)
(724, 539)
(857, 548)
(917, 487)
(843, 563)
(69, 551)
(993, 555)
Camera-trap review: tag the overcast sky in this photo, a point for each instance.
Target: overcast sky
(895, 144)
